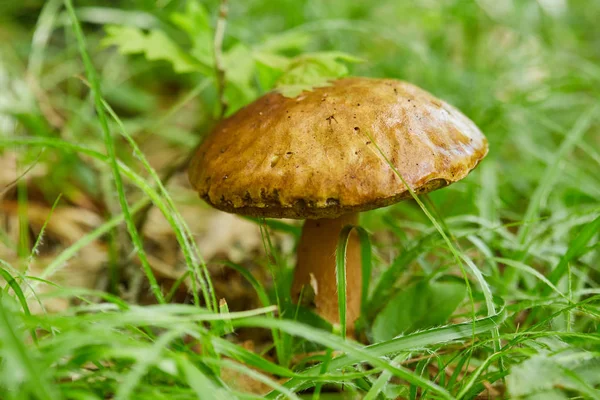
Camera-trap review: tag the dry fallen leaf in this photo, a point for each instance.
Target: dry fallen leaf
(64, 227)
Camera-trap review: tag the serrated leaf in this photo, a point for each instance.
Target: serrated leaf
(154, 45)
(269, 68)
(420, 306)
(311, 70)
(295, 90)
(195, 22)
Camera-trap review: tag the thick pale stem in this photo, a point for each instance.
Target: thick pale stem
(315, 270)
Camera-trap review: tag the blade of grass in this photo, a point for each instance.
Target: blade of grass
(22, 212)
(548, 180)
(151, 357)
(340, 267)
(281, 341)
(276, 225)
(184, 236)
(60, 261)
(383, 379)
(413, 341)
(24, 280)
(458, 256)
(324, 364)
(38, 240)
(57, 263)
(248, 372)
(526, 268)
(340, 276)
(12, 282)
(80, 294)
(200, 383)
(41, 36)
(256, 285)
(468, 383)
(176, 286)
(384, 287)
(576, 247)
(333, 341)
(18, 357)
(247, 357)
(366, 263)
(110, 149)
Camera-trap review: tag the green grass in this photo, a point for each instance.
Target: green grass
(512, 251)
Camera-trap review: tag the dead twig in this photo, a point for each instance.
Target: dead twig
(174, 169)
(15, 181)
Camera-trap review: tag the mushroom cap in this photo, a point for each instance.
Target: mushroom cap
(321, 154)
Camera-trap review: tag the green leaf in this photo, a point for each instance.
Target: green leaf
(154, 45)
(21, 369)
(272, 60)
(541, 375)
(269, 67)
(290, 40)
(195, 22)
(420, 306)
(311, 70)
(239, 77)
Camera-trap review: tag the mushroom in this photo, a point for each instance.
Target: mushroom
(326, 155)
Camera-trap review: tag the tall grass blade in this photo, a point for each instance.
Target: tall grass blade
(110, 149)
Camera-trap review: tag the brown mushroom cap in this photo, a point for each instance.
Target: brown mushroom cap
(310, 156)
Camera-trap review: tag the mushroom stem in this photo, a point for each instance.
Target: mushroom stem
(315, 269)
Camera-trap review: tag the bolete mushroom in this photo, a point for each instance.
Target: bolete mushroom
(326, 155)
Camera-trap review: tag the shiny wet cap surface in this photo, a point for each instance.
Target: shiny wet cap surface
(314, 156)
